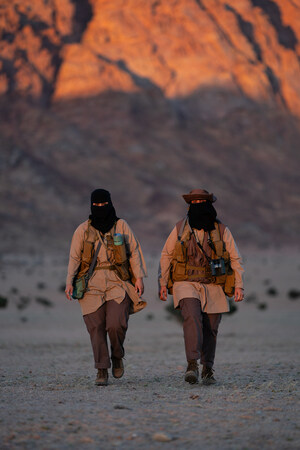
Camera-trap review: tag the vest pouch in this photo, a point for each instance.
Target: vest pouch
(180, 252)
(229, 285)
(179, 271)
(221, 280)
(120, 253)
(80, 286)
(123, 271)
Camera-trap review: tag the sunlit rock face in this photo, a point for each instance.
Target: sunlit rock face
(65, 49)
(149, 99)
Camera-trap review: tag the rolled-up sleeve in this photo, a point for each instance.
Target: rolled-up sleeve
(166, 258)
(75, 254)
(235, 258)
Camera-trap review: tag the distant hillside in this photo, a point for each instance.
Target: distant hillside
(149, 100)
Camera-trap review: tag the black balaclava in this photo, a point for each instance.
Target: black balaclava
(202, 216)
(102, 217)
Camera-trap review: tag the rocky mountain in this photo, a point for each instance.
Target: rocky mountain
(150, 100)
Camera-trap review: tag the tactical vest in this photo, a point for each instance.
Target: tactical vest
(116, 254)
(190, 263)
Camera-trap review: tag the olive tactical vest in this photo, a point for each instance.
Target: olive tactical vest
(190, 263)
(117, 255)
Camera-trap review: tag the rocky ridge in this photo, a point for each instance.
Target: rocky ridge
(149, 100)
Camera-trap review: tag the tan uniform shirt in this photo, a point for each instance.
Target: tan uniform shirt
(105, 285)
(211, 296)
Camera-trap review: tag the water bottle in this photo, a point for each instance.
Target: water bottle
(118, 239)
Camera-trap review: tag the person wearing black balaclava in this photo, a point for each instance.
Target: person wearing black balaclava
(103, 212)
(198, 246)
(114, 287)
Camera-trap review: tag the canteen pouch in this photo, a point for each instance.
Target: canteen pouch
(80, 286)
(120, 253)
(229, 285)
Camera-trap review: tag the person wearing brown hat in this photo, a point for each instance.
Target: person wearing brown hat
(200, 264)
(105, 273)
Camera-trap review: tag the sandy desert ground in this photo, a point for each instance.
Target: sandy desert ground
(48, 396)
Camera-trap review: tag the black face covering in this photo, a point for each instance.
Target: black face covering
(102, 217)
(202, 216)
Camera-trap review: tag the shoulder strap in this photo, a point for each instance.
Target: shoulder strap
(218, 244)
(93, 263)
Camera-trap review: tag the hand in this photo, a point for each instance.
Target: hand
(139, 286)
(163, 295)
(238, 294)
(69, 291)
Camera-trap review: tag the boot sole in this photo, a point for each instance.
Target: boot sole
(191, 378)
(118, 376)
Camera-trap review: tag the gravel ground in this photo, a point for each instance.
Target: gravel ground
(49, 400)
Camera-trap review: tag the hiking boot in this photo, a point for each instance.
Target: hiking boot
(102, 377)
(207, 375)
(117, 368)
(192, 372)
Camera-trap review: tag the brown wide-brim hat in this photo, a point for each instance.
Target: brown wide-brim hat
(199, 194)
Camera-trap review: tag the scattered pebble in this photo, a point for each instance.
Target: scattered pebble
(23, 303)
(121, 407)
(262, 306)
(293, 294)
(251, 298)
(44, 301)
(162, 437)
(272, 291)
(150, 316)
(3, 302)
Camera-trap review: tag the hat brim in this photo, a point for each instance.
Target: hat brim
(189, 197)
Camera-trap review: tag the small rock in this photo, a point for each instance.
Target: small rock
(262, 306)
(162, 437)
(121, 407)
(3, 302)
(272, 291)
(44, 301)
(293, 294)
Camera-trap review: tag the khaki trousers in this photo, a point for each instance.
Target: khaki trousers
(200, 331)
(112, 319)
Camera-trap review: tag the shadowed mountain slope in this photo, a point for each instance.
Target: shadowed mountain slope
(149, 101)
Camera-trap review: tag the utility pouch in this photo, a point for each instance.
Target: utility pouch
(123, 271)
(229, 285)
(120, 253)
(80, 286)
(178, 271)
(80, 283)
(180, 253)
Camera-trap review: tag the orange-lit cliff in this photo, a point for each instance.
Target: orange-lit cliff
(149, 99)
